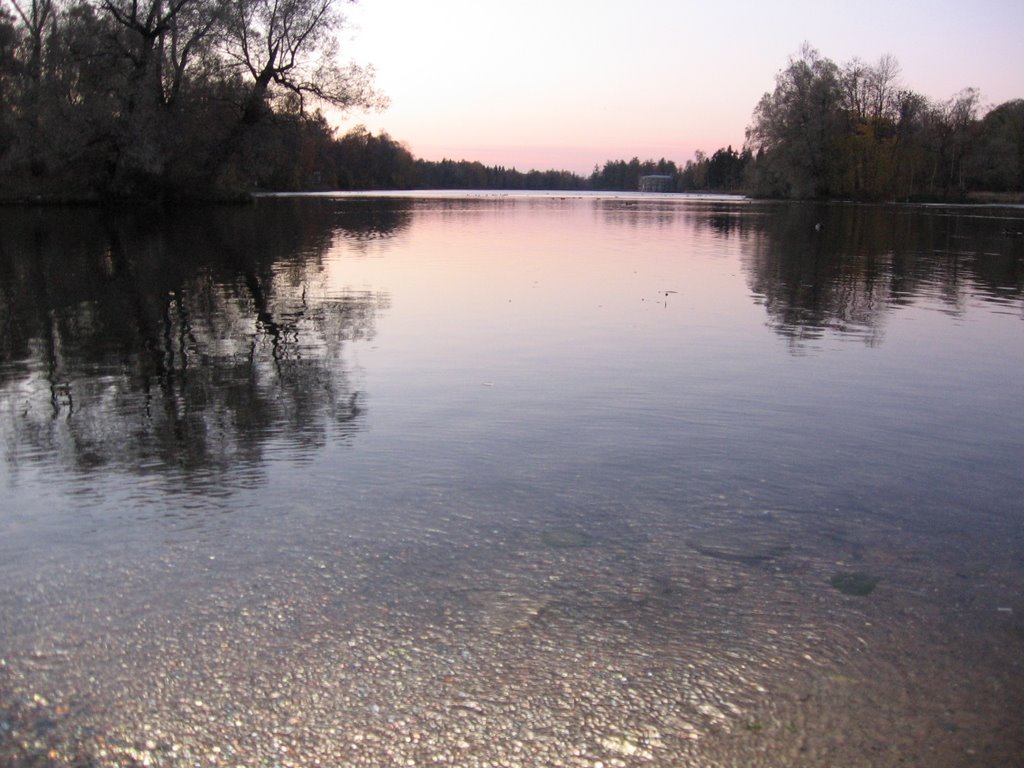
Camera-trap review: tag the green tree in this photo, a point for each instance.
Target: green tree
(797, 129)
(996, 160)
(696, 172)
(725, 169)
(908, 150)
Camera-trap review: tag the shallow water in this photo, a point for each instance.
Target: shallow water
(512, 480)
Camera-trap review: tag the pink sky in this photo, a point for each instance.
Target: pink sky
(572, 83)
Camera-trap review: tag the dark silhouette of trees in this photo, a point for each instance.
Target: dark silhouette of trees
(620, 175)
(168, 99)
(725, 169)
(855, 131)
(996, 159)
(797, 127)
(465, 174)
(291, 44)
(160, 99)
(360, 160)
(952, 124)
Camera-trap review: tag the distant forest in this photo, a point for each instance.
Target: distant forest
(360, 160)
(183, 99)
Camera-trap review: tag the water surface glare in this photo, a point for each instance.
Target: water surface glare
(479, 480)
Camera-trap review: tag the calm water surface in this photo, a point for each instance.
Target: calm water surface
(486, 480)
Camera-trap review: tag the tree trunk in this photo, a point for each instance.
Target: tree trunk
(256, 104)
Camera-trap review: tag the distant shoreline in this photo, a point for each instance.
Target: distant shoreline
(970, 200)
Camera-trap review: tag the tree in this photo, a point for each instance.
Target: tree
(908, 150)
(868, 106)
(9, 81)
(996, 159)
(26, 53)
(948, 133)
(883, 82)
(697, 171)
(364, 161)
(37, 17)
(797, 128)
(856, 132)
(292, 44)
(161, 98)
(725, 169)
(157, 39)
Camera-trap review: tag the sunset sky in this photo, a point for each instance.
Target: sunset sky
(572, 83)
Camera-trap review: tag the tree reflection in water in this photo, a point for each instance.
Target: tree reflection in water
(843, 268)
(186, 343)
(179, 344)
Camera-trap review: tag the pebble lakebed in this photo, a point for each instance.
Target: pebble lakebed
(518, 645)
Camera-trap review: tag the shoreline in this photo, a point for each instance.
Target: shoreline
(972, 199)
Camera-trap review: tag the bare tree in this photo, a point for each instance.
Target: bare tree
(189, 33)
(883, 82)
(956, 117)
(162, 36)
(853, 82)
(292, 44)
(37, 16)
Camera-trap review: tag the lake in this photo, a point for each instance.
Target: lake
(512, 480)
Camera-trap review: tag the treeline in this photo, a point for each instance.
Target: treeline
(855, 131)
(165, 99)
(825, 131)
(360, 160)
(451, 174)
(158, 99)
(724, 171)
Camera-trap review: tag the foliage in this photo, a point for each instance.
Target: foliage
(165, 99)
(464, 174)
(995, 160)
(856, 132)
(159, 99)
(360, 160)
(797, 127)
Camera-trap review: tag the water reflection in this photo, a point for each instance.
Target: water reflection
(186, 343)
(839, 268)
(179, 344)
(591, 477)
(722, 217)
(819, 269)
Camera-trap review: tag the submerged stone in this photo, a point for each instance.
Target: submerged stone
(565, 538)
(740, 544)
(854, 583)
